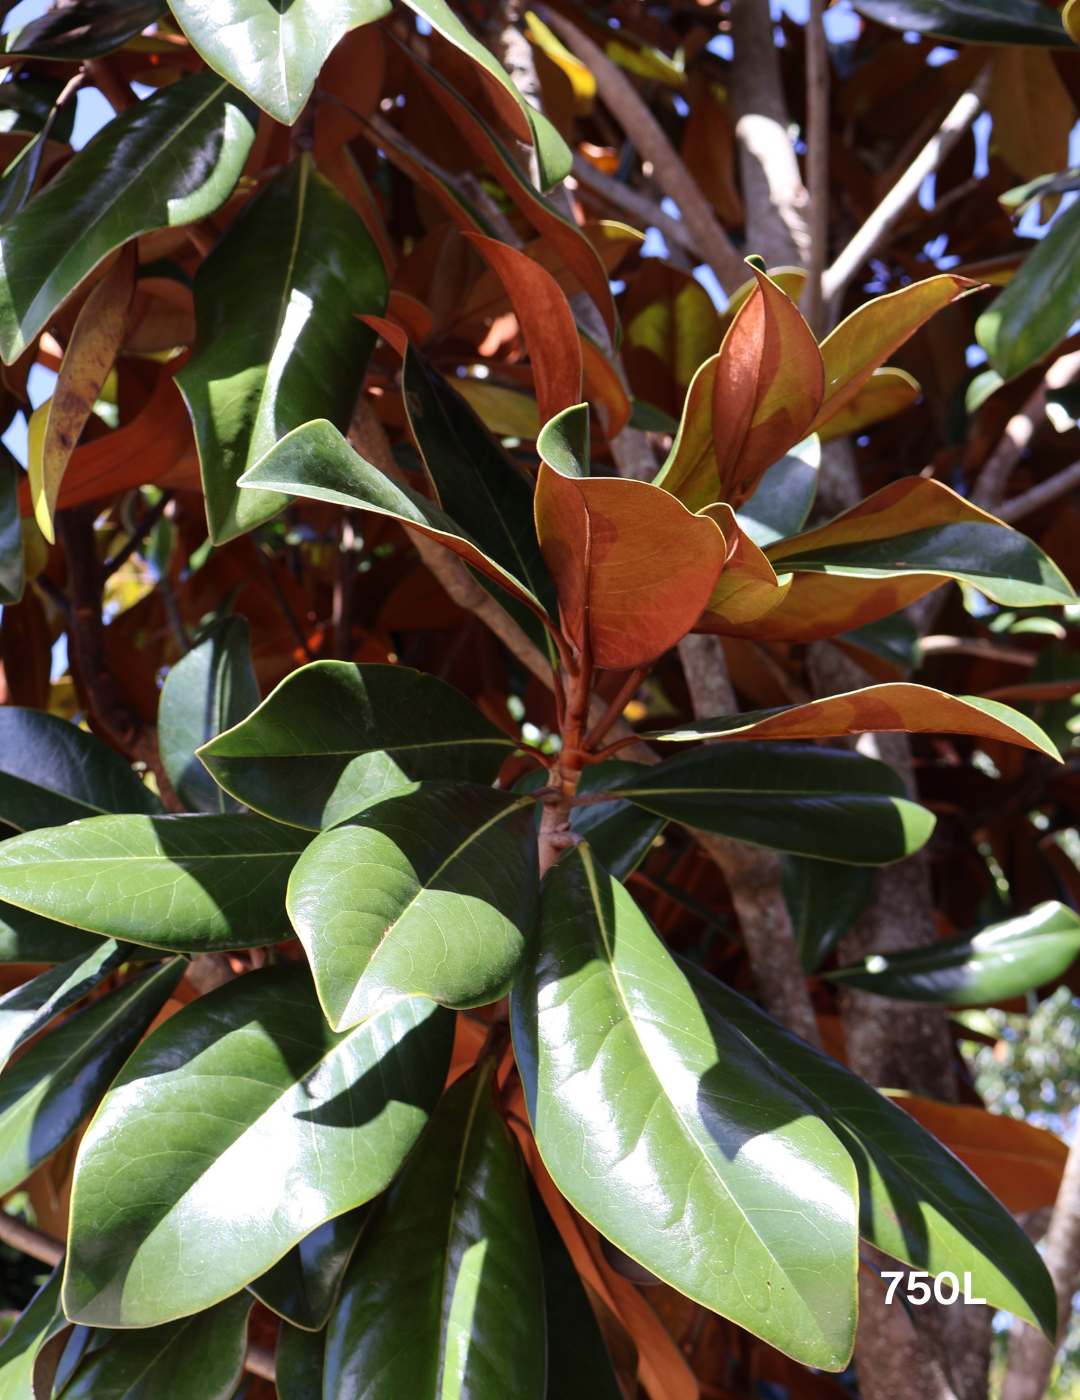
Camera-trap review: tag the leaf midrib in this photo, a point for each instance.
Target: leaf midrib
(481, 1084)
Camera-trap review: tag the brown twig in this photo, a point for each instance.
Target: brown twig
(630, 688)
(1046, 491)
(26, 1239)
(149, 520)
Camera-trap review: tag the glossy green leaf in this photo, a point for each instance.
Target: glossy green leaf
(188, 884)
(1034, 311)
(11, 549)
(672, 1135)
(167, 161)
(41, 1319)
(46, 1094)
(199, 1356)
(553, 157)
(85, 29)
(19, 178)
(273, 52)
(829, 803)
(53, 772)
(209, 690)
(316, 461)
(578, 1361)
(619, 833)
(917, 1203)
(1004, 960)
(236, 1129)
(444, 1297)
(784, 495)
(28, 102)
(26, 1009)
(478, 483)
(302, 1287)
(824, 899)
(28, 938)
(430, 892)
(894, 638)
(279, 342)
(972, 21)
(1003, 564)
(298, 1364)
(335, 736)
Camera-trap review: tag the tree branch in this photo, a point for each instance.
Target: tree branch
(27, 1240)
(890, 211)
(1019, 430)
(817, 165)
(632, 202)
(652, 143)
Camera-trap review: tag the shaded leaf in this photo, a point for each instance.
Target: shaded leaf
(879, 709)
(278, 340)
(430, 892)
(445, 1293)
(784, 495)
(85, 29)
(47, 1093)
(334, 737)
(619, 834)
(972, 21)
(748, 588)
(632, 567)
(209, 690)
(1002, 961)
(885, 393)
(88, 358)
(244, 1119)
(317, 462)
(187, 884)
(11, 545)
(201, 1355)
(302, 1287)
(298, 1364)
(916, 1202)
(270, 51)
(27, 1009)
(663, 1164)
(52, 772)
(828, 803)
(823, 899)
(26, 937)
(41, 1319)
(164, 162)
(1020, 1163)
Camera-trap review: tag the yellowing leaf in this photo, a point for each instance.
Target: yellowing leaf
(581, 79)
(886, 392)
(1032, 111)
(505, 412)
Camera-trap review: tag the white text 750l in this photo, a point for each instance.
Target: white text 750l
(946, 1287)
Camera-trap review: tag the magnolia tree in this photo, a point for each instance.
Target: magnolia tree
(422, 593)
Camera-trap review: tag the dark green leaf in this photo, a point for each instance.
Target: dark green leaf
(894, 638)
(188, 884)
(564, 441)
(1004, 960)
(271, 51)
(917, 1203)
(335, 736)
(828, 803)
(276, 305)
(972, 21)
(824, 899)
(26, 1009)
(85, 29)
(19, 178)
(1034, 311)
(11, 550)
(477, 483)
(619, 833)
(167, 161)
(236, 1129)
(784, 495)
(302, 1287)
(47, 1093)
(28, 102)
(445, 1292)
(578, 1360)
(26, 937)
(553, 157)
(52, 772)
(316, 461)
(672, 1135)
(1003, 564)
(41, 1319)
(298, 1364)
(431, 892)
(200, 1356)
(209, 690)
